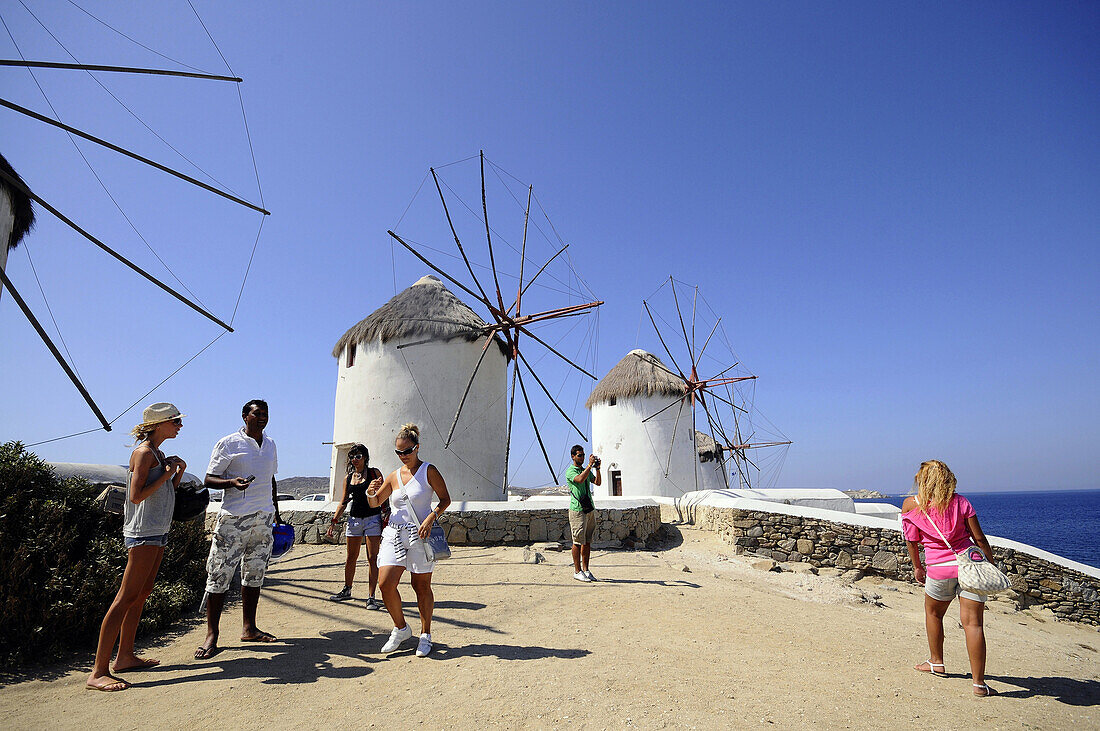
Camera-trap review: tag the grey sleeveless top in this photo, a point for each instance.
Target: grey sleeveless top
(153, 515)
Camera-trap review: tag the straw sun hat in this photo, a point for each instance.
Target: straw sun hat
(160, 412)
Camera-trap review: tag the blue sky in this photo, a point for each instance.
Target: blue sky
(893, 208)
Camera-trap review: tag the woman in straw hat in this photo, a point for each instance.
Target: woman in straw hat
(152, 482)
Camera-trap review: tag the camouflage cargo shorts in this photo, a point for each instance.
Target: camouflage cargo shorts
(243, 540)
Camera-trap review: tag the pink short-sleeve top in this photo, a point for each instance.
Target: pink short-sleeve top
(952, 522)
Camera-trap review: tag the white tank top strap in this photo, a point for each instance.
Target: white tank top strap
(416, 491)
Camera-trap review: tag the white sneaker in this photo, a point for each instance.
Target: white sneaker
(581, 576)
(424, 646)
(589, 575)
(397, 636)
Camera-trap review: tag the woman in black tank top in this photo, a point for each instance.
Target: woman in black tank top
(364, 523)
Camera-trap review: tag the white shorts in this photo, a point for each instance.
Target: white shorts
(401, 546)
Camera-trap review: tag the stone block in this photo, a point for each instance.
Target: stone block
(475, 536)
(456, 533)
(538, 529)
(494, 535)
(787, 544)
(844, 560)
(531, 556)
(755, 532)
(805, 546)
(885, 561)
(765, 565)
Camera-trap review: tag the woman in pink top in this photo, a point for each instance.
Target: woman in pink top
(937, 506)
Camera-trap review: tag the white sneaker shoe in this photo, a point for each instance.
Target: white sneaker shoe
(589, 575)
(424, 646)
(581, 576)
(397, 636)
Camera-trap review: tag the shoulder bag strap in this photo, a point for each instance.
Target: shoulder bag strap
(947, 542)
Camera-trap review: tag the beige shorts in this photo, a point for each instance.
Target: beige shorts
(582, 526)
(239, 540)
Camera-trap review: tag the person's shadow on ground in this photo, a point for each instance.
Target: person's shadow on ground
(1071, 691)
(293, 660)
(441, 651)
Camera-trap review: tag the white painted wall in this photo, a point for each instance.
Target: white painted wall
(377, 395)
(641, 450)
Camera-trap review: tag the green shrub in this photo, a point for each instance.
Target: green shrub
(62, 558)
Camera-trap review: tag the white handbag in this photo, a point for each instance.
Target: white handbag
(976, 572)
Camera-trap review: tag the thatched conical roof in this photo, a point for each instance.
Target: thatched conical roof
(707, 448)
(427, 309)
(638, 374)
(20, 203)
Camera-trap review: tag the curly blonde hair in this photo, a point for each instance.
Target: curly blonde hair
(141, 432)
(410, 432)
(934, 484)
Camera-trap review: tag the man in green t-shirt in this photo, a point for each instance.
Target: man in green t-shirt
(582, 511)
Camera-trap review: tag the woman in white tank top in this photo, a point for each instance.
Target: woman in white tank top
(410, 491)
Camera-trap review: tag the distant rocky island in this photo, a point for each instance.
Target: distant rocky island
(302, 486)
(865, 494)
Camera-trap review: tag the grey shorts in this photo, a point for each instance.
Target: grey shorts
(944, 590)
(145, 541)
(582, 526)
(368, 526)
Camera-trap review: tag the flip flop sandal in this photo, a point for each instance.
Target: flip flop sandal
(205, 653)
(113, 687)
(143, 665)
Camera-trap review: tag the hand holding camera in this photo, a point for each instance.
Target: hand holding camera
(594, 461)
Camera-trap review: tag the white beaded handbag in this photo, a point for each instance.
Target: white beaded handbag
(976, 572)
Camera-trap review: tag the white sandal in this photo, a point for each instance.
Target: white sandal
(988, 691)
(932, 669)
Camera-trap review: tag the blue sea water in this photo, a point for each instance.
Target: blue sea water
(1065, 522)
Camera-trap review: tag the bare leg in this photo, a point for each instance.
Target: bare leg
(425, 600)
(586, 552)
(138, 565)
(933, 627)
(971, 614)
(214, 604)
(353, 556)
(126, 659)
(576, 558)
(250, 597)
(373, 543)
(388, 578)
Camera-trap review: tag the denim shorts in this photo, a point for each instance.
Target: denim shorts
(368, 526)
(145, 541)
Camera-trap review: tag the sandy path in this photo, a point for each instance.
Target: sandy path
(649, 646)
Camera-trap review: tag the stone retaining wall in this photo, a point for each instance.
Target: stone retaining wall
(1070, 594)
(614, 526)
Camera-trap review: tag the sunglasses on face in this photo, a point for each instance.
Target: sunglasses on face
(405, 452)
(177, 421)
(355, 456)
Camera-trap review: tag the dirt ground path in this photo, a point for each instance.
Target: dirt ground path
(649, 645)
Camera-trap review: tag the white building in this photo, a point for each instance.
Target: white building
(380, 386)
(658, 457)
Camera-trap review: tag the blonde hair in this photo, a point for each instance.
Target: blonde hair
(934, 484)
(410, 432)
(141, 432)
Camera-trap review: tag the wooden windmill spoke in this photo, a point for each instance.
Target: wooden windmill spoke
(713, 418)
(680, 400)
(687, 342)
(707, 341)
(694, 303)
(18, 184)
(524, 289)
(535, 426)
(728, 403)
(549, 347)
(759, 445)
(523, 253)
(454, 233)
(511, 411)
(663, 345)
(116, 69)
(466, 392)
(442, 273)
(488, 235)
(720, 456)
(671, 442)
(549, 396)
(53, 349)
(132, 155)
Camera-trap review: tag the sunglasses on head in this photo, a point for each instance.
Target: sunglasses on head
(405, 452)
